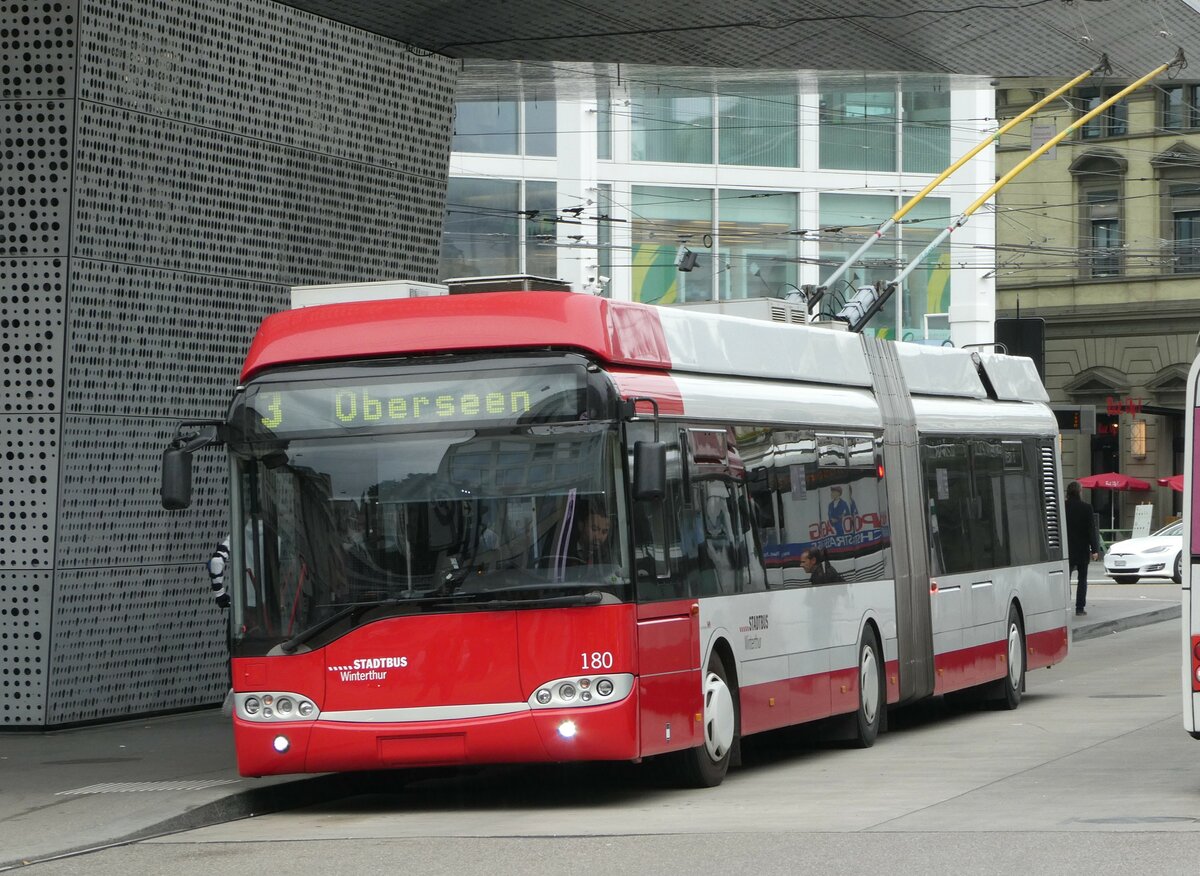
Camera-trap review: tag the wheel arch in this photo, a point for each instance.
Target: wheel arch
(719, 644)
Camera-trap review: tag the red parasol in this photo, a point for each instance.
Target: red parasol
(1175, 482)
(1113, 481)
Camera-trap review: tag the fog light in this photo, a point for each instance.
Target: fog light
(566, 729)
(543, 696)
(604, 687)
(281, 744)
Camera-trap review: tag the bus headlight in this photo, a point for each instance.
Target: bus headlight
(273, 707)
(583, 692)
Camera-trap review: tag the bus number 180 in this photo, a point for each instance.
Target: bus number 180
(596, 660)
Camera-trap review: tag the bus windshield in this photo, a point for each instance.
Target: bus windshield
(435, 521)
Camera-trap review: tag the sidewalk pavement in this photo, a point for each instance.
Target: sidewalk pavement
(67, 791)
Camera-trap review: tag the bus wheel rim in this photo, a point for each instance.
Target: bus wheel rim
(868, 679)
(719, 718)
(1015, 657)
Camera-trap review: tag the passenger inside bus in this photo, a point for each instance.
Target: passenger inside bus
(814, 562)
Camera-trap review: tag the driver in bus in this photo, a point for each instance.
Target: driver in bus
(591, 542)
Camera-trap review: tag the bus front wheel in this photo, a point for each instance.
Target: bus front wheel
(705, 765)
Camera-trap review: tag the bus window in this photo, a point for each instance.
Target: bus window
(656, 546)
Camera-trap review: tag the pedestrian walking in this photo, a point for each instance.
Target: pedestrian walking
(1083, 541)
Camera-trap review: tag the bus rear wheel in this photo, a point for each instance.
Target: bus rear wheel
(871, 694)
(705, 765)
(1013, 682)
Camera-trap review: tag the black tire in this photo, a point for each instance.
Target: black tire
(705, 765)
(1177, 577)
(1013, 683)
(1125, 579)
(872, 695)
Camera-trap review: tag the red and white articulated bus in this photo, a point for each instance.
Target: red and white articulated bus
(541, 526)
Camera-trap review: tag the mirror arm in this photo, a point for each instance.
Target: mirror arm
(629, 410)
(191, 436)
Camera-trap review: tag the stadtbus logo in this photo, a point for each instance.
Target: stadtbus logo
(369, 668)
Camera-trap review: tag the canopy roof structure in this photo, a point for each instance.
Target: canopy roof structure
(995, 38)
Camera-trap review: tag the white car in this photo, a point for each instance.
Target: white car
(1159, 555)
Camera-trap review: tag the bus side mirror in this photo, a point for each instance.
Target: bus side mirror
(176, 488)
(649, 470)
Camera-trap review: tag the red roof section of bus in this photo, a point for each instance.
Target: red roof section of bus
(619, 333)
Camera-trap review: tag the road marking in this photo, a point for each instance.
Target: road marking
(127, 787)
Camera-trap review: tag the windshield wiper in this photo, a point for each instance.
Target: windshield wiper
(593, 597)
(353, 611)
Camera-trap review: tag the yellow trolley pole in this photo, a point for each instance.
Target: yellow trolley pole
(975, 150)
(869, 300)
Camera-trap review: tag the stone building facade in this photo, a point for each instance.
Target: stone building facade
(1101, 239)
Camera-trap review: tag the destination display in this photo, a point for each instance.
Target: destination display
(525, 397)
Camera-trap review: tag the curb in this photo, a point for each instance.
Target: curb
(1104, 628)
(278, 797)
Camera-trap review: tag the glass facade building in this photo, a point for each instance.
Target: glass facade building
(685, 187)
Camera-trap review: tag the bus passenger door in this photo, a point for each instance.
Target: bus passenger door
(668, 615)
(669, 674)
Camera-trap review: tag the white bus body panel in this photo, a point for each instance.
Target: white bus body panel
(711, 343)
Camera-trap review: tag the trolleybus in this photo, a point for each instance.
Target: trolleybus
(542, 526)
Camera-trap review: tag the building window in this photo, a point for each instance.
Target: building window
(672, 124)
(846, 221)
(757, 125)
(1184, 210)
(858, 130)
(754, 244)
(540, 127)
(506, 127)
(499, 226)
(666, 222)
(1102, 230)
(604, 121)
(540, 212)
(1113, 122)
(926, 131)
(913, 312)
(604, 235)
(1179, 107)
(485, 126)
(1137, 440)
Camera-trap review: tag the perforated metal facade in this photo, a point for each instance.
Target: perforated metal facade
(951, 36)
(169, 170)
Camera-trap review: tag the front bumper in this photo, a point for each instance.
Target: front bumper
(535, 736)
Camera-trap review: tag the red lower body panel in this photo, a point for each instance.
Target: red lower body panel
(1046, 649)
(601, 733)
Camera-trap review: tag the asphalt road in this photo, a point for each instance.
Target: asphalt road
(1093, 774)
